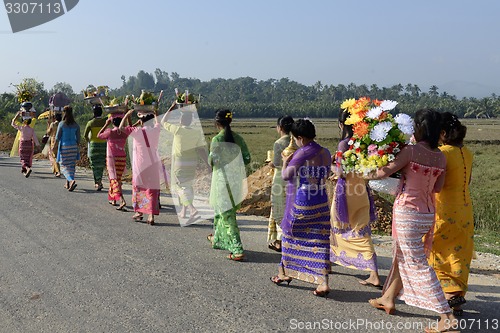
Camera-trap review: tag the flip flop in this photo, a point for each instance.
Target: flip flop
(112, 203)
(239, 257)
(28, 173)
(137, 218)
(122, 207)
(371, 285)
(72, 186)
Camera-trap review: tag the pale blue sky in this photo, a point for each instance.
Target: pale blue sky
(362, 41)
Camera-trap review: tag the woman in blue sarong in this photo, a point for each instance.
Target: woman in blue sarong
(306, 222)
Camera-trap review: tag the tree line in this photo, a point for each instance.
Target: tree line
(250, 98)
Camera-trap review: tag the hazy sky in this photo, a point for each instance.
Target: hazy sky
(444, 42)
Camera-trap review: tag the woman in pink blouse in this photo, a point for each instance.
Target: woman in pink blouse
(26, 148)
(116, 158)
(146, 165)
(422, 167)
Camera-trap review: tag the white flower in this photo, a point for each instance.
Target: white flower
(350, 142)
(388, 105)
(406, 129)
(374, 113)
(357, 144)
(403, 119)
(396, 150)
(379, 131)
(390, 157)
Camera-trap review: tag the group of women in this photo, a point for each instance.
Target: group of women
(432, 218)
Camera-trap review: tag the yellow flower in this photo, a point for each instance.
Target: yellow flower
(353, 119)
(348, 103)
(347, 153)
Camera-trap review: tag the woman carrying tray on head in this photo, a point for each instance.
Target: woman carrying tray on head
(188, 146)
(27, 138)
(146, 165)
(116, 158)
(96, 146)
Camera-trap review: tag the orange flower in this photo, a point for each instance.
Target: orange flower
(382, 116)
(377, 102)
(360, 129)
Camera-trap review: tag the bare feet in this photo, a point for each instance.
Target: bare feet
(378, 303)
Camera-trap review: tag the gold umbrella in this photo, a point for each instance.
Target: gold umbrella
(44, 115)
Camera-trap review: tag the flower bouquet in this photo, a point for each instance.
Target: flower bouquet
(377, 135)
(187, 100)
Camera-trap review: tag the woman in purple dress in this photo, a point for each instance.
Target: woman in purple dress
(306, 222)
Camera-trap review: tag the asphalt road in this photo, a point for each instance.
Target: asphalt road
(69, 262)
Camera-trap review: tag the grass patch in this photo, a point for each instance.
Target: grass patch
(487, 242)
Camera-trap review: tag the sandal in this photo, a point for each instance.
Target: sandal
(99, 187)
(137, 218)
(278, 281)
(121, 207)
(456, 301)
(151, 222)
(322, 293)
(210, 238)
(235, 257)
(112, 202)
(273, 246)
(72, 186)
(458, 312)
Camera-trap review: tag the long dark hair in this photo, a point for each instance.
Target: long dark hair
(285, 123)
(68, 117)
(347, 131)
(428, 126)
(97, 110)
(454, 131)
(224, 117)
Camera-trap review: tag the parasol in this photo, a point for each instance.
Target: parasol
(44, 115)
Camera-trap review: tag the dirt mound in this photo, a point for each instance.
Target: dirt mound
(258, 201)
(6, 141)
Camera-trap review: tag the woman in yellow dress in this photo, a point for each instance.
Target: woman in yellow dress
(352, 213)
(453, 242)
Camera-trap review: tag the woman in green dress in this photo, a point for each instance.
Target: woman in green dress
(228, 157)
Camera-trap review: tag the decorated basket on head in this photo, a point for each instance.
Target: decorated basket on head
(377, 136)
(147, 102)
(96, 95)
(187, 100)
(26, 91)
(117, 105)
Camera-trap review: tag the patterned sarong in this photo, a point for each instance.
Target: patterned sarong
(421, 287)
(115, 183)
(67, 159)
(306, 255)
(26, 153)
(145, 200)
(97, 158)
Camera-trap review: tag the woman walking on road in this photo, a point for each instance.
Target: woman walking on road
(422, 168)
(27, 140)
(96, 146)
(278, 195)
(51, 132)
(352, 213)
(116, 158)
(228, 156)
(146, 165)
(306, 223)
(68, 137)
(453, 244)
